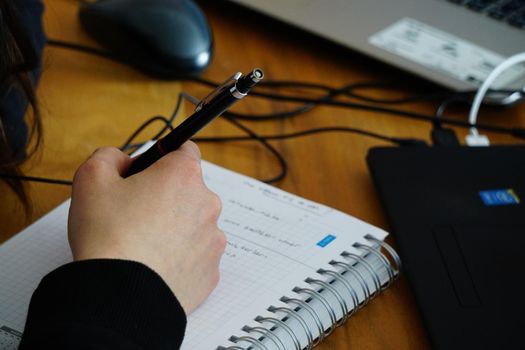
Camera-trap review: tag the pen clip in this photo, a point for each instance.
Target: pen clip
(226, 85)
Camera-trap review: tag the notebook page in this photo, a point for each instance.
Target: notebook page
(275, 240)
(24, 260)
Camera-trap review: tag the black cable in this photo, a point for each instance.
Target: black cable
(517, 132)
(253, 136)
(442, 136)
(454, 99)
(125, 146)
(348, 91)
(168, 125)
(311, 102)
(86, 49)
(37, 179)
(429, 96)
(308, 132)
(307, 107)
(174, 114)
(272, 83)
(278, 156)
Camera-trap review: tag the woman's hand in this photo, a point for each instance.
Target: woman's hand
(164, 217)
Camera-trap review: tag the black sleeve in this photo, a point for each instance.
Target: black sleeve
(103, 304)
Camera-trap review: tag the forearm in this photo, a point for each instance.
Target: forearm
(104, 304)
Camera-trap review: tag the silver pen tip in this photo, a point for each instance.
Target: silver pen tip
(257, 74)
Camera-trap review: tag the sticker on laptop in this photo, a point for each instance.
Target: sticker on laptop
(326, 241)
(499, 197)
(442, 51)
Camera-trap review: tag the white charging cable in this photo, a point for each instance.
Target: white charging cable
(474, 138)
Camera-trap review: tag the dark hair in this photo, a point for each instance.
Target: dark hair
(17, 59)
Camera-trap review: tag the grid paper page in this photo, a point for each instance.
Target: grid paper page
(24, 260)
(273, 245)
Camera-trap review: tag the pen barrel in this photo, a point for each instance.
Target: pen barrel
(145, 160)
(209, 110)
(182, 133)
(197, 121)
(248, 81)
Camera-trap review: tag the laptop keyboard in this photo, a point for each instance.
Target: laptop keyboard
(510, 11)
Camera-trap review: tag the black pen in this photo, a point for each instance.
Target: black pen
(212, 106)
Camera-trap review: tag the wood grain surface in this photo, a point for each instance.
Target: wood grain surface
(89, 102)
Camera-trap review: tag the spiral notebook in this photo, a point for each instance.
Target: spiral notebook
(293, 270)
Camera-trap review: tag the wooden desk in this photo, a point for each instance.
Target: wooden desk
(86, 102)
(89, 102)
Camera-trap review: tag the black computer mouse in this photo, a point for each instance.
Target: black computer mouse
(169, 39)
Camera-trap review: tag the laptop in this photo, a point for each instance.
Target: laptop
(457, 216)
(455, 43)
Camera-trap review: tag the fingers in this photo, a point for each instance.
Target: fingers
(116, 160)
(190, 149)
(107, 163)
(110, 163)
(185, 161)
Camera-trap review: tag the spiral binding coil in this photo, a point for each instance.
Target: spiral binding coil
(349, 268)
(251, 340)
(389, 249)
(340, 299)
(316, 295)
(266, 333)
(315, 316)
(280, 323)
(293, 314)
(339, 277)
(366, 265)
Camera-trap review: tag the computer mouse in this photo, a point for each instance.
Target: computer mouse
(170, 39)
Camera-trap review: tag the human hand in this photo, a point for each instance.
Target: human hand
(164, 217)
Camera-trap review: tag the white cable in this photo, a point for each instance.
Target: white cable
(480, 94)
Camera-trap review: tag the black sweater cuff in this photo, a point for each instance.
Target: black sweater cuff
(104, 304)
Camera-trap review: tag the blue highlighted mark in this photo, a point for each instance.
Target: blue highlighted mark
(499, 197)
(326, 241)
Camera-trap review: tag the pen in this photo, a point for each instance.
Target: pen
(212, 106)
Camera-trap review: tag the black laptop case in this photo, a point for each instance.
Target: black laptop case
(458, 218)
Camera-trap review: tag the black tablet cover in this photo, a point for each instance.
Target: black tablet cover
(458, 218)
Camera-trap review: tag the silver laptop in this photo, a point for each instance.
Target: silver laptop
(455, 43)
